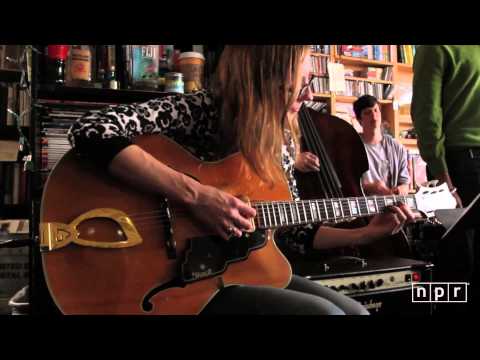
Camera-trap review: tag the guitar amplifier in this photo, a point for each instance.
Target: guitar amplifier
(383, 285)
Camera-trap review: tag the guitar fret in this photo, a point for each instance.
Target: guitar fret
(273, 214)
(313, 210)
(325, 207)
(304, 211)
(333, 210)
(358, 207)
(264, 218)
(292, 213)
(349, 207)
(286, 213)
(280, 214)
(353, 207)
(298, 213)
(269, 218)
(366, 206)
(341, 208)
(320, 217)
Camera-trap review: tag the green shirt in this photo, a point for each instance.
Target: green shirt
(446, 100)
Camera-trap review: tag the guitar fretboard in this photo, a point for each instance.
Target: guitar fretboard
(274, 214)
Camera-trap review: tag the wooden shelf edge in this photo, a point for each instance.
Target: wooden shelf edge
(322, 95)
(369, 80)
(408, 141)
(320, 54)
(90, 94)
(343, 98)
(355, 60)
(403, 66)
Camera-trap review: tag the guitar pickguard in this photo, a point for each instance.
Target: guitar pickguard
(208, 256)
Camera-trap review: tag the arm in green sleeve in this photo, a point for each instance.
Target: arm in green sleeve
(426, 107)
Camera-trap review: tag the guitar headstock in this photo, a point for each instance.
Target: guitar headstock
(430, 199)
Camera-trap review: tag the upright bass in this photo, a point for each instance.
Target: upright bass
(343, 161)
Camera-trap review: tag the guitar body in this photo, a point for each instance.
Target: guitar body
(84, 279)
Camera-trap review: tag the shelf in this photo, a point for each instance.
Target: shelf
(408, 141)
(10, 76)
(369, 80)
(406, 67)
(348, 60)
(405, 119)
(322, 96)
(66, 93)
(352, 99)
(320, 54)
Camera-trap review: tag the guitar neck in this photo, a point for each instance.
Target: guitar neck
(274, 214)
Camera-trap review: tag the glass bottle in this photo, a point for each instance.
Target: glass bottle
(111, 81)
(56, 61)
(145, 61)
(80, 66)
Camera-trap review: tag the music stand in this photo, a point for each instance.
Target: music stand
(457, 249)
(468, 218)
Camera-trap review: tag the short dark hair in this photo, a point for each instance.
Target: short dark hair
(363, 102)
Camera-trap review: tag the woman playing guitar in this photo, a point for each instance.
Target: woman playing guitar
(253, 110)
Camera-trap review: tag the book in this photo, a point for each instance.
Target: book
(9, 150)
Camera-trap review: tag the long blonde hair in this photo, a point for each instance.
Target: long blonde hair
(257, 85)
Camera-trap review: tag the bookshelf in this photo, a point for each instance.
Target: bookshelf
(14, 189)
(395, 107)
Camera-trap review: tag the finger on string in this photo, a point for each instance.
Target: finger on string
(242, 223)
(406, 211)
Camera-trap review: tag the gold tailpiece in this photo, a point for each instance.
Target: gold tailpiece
(54, 235)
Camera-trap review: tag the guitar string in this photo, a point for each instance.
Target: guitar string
(278, 210)
(266, 203)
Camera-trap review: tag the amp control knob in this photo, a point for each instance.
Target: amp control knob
(379, 282)
(363, 285)
(371, 284)
(353, 286)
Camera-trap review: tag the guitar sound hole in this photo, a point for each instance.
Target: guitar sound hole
(101, 230)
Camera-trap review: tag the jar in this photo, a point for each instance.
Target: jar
(191, 66)
(174, 82)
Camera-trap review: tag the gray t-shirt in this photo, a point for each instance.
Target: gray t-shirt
(387, 162)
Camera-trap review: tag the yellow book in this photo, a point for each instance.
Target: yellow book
(409, 54)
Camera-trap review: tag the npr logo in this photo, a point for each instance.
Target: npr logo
(439, 292)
